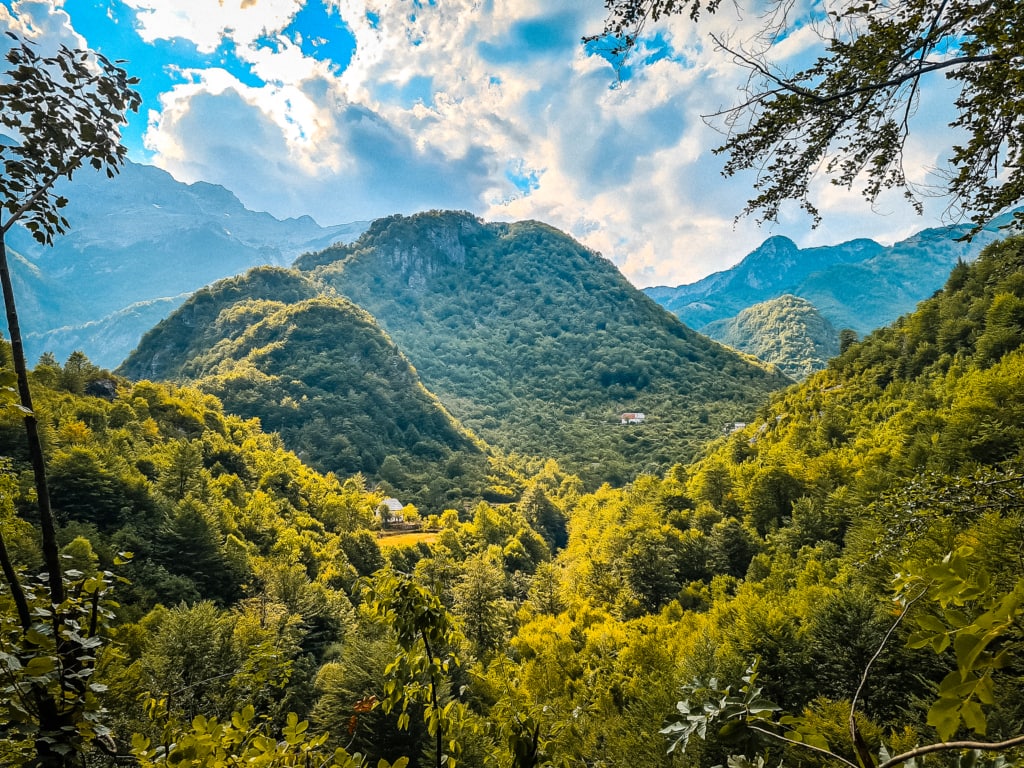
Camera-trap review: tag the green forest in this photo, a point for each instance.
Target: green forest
(837, 582)
(538, 344)
(317, 370)
(788, 332)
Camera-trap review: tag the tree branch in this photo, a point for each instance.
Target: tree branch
(858, 741)
(946, 746)
(789, 85)
(72, 165)
(17, 593)
(827, 752)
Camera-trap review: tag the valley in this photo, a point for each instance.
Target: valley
(433, 490)
(587, 612)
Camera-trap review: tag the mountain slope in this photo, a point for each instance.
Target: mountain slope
(941, 390)
(788, 332)
(116, 334)
(859, 284)
(539, 345)
(139, 237)
(168, 350)
(319, 371)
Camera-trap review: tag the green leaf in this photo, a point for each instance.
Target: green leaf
(139, 742)
(36, 637)
(39, 666)
(817, 740)
(974, 717)
(932, 623)
(968, 647)
(944, 717)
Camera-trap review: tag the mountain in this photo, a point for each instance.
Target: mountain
(274, 345)
(540, 345)
(111, 337)
(859, 284)
(776, 267)
(140, 240)
(788, 332)
(941, 390)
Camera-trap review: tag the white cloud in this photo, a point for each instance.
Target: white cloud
(39, 21)
(207, 22)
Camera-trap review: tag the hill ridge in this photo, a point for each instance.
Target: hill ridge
(519, 321)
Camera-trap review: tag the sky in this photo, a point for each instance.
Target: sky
(349, 110)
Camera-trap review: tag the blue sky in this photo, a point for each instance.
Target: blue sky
(353, 109)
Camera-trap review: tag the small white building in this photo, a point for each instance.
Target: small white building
(632, 418)
(390, 511)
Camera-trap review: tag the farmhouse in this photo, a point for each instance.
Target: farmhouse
(390, 511)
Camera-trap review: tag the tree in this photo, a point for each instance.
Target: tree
(849, 113)
(957, 606)
(847, 338)
(63, 111)
(479, 601)
(78, 371)
(426, 635)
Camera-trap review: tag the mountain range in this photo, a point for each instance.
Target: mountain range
(860, 285)
(137, 246)
(533, 341)
(141, 243)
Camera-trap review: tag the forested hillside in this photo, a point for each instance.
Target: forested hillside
(896, 473)
(242, 582)
(539, 345)
(848, 557)
(276, 345)
(787, 332)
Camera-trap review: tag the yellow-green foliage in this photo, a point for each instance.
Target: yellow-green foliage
(578, 619)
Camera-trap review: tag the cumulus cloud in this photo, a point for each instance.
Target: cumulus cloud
(348, 163)
(40, 22)
(206, 23)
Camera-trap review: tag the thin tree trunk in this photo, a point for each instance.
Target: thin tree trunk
(51, 555)
(52, 723)
(439, 735)
(17, 593)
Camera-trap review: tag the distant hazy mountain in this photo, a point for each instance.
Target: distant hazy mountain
(108, 340)
(787, 331)
(540, 345)
(137, 243)
(276, 345)
(859, 284)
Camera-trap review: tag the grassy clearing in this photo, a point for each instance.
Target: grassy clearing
(407, 539)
